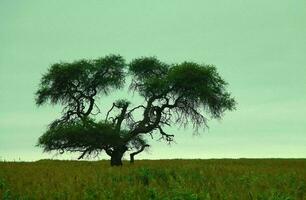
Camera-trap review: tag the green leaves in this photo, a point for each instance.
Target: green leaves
(201, 85)
(79, 135)
(194, 86)
(66, 82)
(147, 67)
(149, 76)
(109, 73)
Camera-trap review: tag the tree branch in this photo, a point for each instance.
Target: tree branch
(83, 154)
(106, 118)
(137, 152)
(168, 137)
(140, 106)
(121, 116)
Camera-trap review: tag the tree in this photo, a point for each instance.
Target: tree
(173, 94)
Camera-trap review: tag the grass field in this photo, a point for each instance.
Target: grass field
(277, 179)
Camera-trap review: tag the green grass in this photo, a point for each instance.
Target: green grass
(266, 179)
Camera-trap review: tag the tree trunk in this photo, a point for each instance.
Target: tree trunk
(137, 152)
(132, 158)
(116, 156)
(116, 159)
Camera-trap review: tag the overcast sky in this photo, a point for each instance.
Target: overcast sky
(258, 47)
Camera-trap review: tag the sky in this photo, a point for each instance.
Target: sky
(258, 47)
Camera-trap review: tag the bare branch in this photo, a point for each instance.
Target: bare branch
(121, 116)
(84, 153)
(167, 137)
(106, 118)
(140, 106)
(99, 111)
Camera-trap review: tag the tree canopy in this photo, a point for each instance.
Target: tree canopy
(184, 93)
(75, 85)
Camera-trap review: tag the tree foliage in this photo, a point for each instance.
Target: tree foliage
(75, 85)
(185, 93)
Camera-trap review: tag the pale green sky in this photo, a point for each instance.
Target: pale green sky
(259, 47)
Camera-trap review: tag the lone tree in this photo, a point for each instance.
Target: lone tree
(173, 94)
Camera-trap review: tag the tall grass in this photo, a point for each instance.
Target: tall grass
(270, 179)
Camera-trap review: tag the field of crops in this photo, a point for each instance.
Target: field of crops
(277, 179)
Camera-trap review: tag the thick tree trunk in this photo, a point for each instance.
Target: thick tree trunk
(116, 159)
(116, 156)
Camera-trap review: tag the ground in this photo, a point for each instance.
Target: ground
(271, 179)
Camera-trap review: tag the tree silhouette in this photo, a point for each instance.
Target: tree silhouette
(173, 94)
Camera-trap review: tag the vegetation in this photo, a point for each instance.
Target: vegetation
(184, 94)
(265, 179)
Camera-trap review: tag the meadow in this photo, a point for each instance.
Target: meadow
(266, 179)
